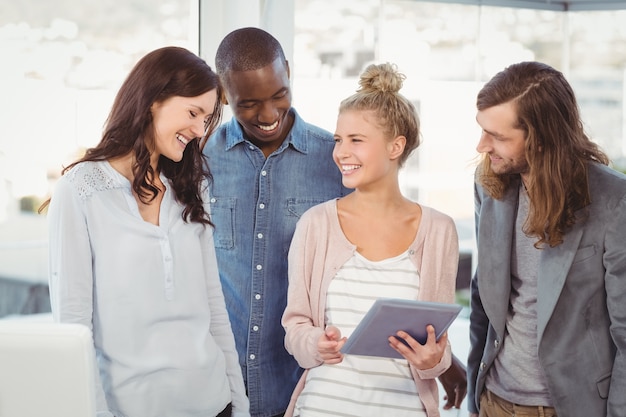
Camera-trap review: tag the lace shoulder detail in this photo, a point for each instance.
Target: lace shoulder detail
(91, 177)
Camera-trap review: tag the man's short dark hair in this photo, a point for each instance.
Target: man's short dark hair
(247, 49)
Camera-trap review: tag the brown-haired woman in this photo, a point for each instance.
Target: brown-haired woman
(131, 249)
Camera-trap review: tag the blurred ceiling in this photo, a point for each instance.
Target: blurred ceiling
(569, 5)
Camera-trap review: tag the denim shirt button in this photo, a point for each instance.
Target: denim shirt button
(253, 356)
(260, 235)
(261, 206)
(213, 200)
(259, 267)
(257, 296)
(255, 328)
(263, 173)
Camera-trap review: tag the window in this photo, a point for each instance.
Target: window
(63, 63)
(448, 51)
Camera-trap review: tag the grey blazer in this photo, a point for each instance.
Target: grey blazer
(581, 303)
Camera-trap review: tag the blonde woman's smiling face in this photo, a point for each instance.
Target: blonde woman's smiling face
(362, 152)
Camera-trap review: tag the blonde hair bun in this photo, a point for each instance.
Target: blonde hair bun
(383, 78)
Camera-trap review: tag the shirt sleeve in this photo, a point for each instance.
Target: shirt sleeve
(70, 272)
(221, 329)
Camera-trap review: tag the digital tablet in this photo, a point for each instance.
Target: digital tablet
(388, 315)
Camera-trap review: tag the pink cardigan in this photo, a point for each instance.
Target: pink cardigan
(319, 248)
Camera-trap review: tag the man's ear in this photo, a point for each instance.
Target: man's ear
(396, 147)
(287, 67)
(223, 98)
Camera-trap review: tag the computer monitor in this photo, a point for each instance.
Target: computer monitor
(46, 369)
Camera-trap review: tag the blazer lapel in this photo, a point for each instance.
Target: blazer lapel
(554, 265)
(495, 234)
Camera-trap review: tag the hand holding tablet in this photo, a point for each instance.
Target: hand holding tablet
(388, 315)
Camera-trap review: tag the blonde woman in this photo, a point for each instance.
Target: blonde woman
(372, 243)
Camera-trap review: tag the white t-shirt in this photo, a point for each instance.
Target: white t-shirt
(360, 385)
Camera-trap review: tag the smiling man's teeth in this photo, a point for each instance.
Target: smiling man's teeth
(182, 139)
(270, 127)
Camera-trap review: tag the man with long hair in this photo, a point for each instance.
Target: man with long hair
(548, 319)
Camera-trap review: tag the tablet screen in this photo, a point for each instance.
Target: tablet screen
(388, 315)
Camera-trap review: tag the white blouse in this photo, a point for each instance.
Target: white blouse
(150, 294)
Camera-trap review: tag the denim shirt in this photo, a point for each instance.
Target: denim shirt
(255, 204)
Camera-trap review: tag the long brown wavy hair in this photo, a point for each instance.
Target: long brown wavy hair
(158, 76)
(557, 149)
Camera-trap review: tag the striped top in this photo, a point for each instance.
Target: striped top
(361, 385)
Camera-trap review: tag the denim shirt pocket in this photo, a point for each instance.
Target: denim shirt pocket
(297, 206)
(294, 209)
(223, 217)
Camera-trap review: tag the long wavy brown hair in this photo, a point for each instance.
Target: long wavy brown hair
(158, 76)
(557, 149)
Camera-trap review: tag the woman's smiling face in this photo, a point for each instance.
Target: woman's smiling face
(179, 120)
(362, 152)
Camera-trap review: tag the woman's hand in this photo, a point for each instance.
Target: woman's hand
(329, 345)
(425, 356)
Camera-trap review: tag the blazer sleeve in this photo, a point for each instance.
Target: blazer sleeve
(221, 328)
(479, 323)
(615, 284)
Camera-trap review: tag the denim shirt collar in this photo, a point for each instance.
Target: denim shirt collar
(297, 136)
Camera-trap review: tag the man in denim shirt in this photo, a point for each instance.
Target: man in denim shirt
(268, 167)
